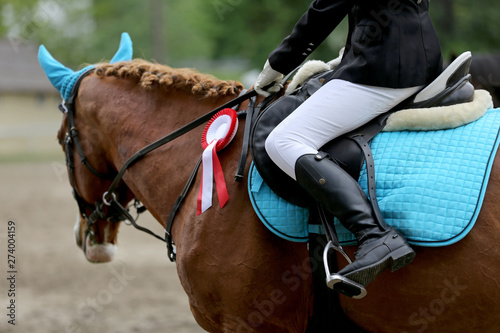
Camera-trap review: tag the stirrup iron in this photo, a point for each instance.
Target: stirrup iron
(335, 281)
(340, 283)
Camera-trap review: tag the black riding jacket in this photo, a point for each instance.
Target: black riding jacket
(391, 43)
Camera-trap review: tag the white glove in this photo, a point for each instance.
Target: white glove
(265, 78)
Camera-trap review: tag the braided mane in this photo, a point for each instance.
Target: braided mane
(152, 75)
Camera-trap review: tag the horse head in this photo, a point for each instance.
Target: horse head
(89, 170)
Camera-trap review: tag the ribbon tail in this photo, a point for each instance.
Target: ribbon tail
(206, 188)
(220, 182)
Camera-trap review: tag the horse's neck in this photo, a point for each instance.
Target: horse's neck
(159, 177)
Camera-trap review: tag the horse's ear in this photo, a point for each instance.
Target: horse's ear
(56, 72)
(125, 50)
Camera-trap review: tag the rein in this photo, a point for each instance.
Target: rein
(108, 195)
(116, 212)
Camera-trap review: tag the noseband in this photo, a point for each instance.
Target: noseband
(116, 212)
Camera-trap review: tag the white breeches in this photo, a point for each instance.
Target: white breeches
(335, 109)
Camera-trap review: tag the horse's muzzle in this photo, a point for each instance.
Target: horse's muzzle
(93, 251)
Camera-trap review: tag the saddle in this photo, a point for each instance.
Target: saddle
(351, 150)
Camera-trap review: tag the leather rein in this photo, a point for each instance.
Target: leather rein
(116, 212)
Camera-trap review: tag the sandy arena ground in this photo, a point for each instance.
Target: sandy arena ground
(56, 289)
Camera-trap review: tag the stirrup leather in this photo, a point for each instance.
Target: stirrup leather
(338, 282)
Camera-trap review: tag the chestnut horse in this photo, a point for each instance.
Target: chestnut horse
(239, 277)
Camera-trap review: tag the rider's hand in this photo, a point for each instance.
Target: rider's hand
(267, 77)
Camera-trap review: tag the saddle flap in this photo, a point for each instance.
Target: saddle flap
(279, 181)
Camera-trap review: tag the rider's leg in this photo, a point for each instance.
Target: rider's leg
(380, 246)
(337, 108)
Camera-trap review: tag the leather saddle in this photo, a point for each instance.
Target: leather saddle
(350, 151)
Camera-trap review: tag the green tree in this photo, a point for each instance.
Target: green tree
(463, 25)
(250, 29)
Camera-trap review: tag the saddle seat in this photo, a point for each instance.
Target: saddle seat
(449, 87)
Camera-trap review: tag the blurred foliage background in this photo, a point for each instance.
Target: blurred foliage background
(223, 37)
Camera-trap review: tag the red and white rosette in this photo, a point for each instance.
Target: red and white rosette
(218, 133)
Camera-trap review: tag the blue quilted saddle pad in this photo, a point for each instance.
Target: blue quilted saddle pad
(430, 184)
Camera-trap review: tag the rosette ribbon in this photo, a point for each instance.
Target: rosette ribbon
(218, 133)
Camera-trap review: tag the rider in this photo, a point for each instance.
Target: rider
(392, 51)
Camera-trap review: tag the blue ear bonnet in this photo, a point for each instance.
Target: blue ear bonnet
(63, 78)
(69, 82)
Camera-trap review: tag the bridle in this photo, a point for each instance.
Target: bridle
(115, 211)
(90, 212)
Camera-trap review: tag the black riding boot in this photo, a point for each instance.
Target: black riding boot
(380, 246)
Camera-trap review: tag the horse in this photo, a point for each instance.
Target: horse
(238, 276)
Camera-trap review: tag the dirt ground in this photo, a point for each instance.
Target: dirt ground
(56, 289)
